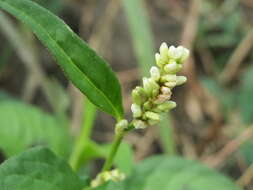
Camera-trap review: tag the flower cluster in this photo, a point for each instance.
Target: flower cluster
(154, 97)
(113, 175)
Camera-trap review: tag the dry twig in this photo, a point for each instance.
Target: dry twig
(219, 158)
(237, 58)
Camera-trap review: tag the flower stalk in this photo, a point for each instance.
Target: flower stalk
(150, 100)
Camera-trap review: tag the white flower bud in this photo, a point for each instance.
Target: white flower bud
(150, 85)
(139, 95)
(117, 176)
(114, 175)
(152, 116)
(169, 78)
(136, 109)
(171, 84)
(158, 59)
(171, 67)
(138, 124)
(155, 73)
(166, 90)
(166, 106)
(172, 52)
(180, 53)
(185, 55)
(164, 51)
(121, 125)
(181, 80)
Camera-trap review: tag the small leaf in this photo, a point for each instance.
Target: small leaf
(37, 169)
(83, 67)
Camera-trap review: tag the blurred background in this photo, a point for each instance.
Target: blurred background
(213, 122)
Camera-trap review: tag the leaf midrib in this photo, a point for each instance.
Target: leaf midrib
(66, 55)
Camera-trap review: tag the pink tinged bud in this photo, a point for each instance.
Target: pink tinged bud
(136, 110)
(155, 73)
(162, 98)
(166, 90)
(181, 80)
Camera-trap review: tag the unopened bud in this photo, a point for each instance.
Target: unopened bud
(136, 109)
(149, 85)
(185, 55)
(152, 116)
(153, 122)
(170, 84)
(164, 51)
(158, 59)
(169, 78)
(166, 90)
(162, 98)
(155, 92)
(139, 95)
(117, 176)
(155, 73)
(171, 67)
(166, 106)
(147, 105)
(121, 125)
(172, 52)
(139, 124)
(181, 80)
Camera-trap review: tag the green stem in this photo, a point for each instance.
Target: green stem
(116, 143)
(84, 137)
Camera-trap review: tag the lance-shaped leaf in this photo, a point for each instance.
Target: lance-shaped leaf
(89, 72)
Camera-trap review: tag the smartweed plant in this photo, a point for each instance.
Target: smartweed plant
(39, 168)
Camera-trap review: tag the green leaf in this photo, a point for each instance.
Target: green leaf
(111, 186)
(23, 126)
(176, 174)
(36, 169)
(83, 67)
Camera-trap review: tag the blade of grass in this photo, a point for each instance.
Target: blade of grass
(143, 43)
(140, 32)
